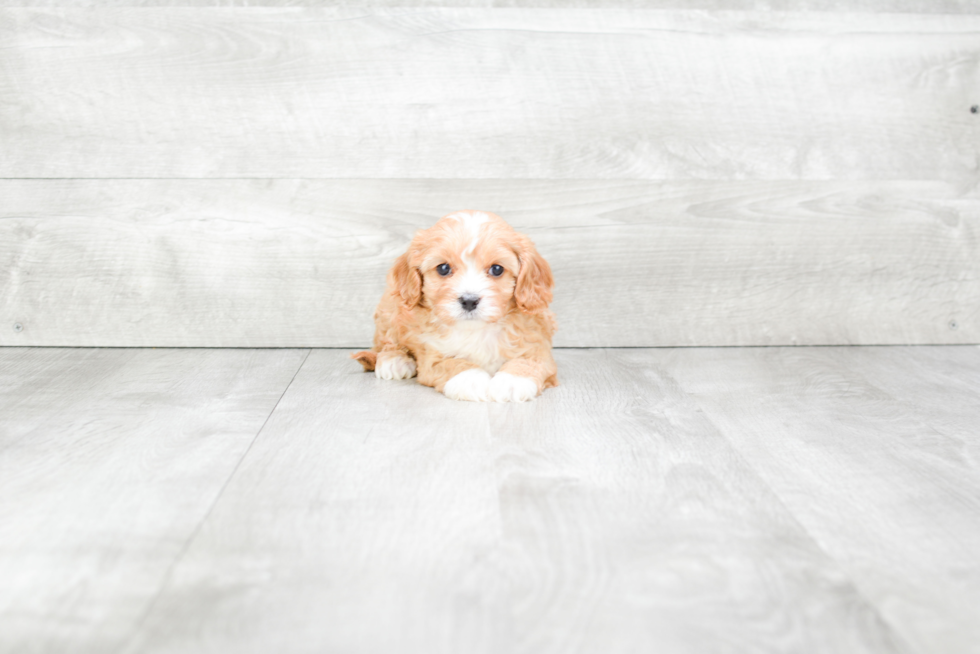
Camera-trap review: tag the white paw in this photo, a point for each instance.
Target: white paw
(469, 385)
(394, 366)
(505, 387)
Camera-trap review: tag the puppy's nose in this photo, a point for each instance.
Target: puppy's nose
(469, 302)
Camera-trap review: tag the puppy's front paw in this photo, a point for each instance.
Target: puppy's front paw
(394, 366)
(505, 387)
(469, 385)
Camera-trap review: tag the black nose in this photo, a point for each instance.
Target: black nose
(469, 302)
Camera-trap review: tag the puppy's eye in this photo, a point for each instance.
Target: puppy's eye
(443, 269)
(496, 270)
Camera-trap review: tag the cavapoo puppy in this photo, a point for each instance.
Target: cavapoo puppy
(466, 309)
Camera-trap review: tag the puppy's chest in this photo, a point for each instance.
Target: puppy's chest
(480, 344)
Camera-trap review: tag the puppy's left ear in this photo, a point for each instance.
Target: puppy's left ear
(534, 281)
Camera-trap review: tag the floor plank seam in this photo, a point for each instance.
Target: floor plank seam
(896, 634)
(217, 498)
(502, 555)
(812, 499)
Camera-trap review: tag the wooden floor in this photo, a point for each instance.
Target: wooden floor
(660, 500)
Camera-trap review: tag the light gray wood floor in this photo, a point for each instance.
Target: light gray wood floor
(670, 500)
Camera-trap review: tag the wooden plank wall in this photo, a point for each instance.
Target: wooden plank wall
(243, 176)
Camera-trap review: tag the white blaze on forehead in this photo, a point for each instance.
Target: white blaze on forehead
(473, 281)
(471, 221)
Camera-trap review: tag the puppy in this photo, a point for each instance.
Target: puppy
(466, 309)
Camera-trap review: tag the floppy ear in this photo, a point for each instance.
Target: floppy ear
(534, 281)
(406, 280)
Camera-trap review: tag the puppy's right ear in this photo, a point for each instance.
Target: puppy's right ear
(406, 280)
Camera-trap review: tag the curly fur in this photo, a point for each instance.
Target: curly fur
(423, 327)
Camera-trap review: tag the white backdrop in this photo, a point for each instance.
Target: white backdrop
(243, 176)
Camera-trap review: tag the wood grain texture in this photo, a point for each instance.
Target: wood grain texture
(487, 93)
(869, 6)
(633, 526)
(689, 501)
(109, 460)
(873, 460)
(936, 386)
(364, 519)
(367, 518)
(296, 263)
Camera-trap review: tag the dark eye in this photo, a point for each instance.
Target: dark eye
(496, 270)
(443, 269)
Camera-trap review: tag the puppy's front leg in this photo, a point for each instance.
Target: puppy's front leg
(520, 380)
(394, 364)
(457, 379)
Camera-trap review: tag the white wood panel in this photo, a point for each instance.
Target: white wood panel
(364, 519)
(109, 461)
(937, 386)
(771, 500)
(885, 484)
(288, 263)
(36, 383)
(487, 93)
(876, 6)
(633, 526)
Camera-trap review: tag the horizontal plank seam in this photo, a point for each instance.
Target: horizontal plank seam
(190, 539)
(564, 347)
(657, 180)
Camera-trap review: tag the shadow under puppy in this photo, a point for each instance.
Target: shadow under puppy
(466, 309)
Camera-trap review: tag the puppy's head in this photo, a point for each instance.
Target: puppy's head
(472, 266)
